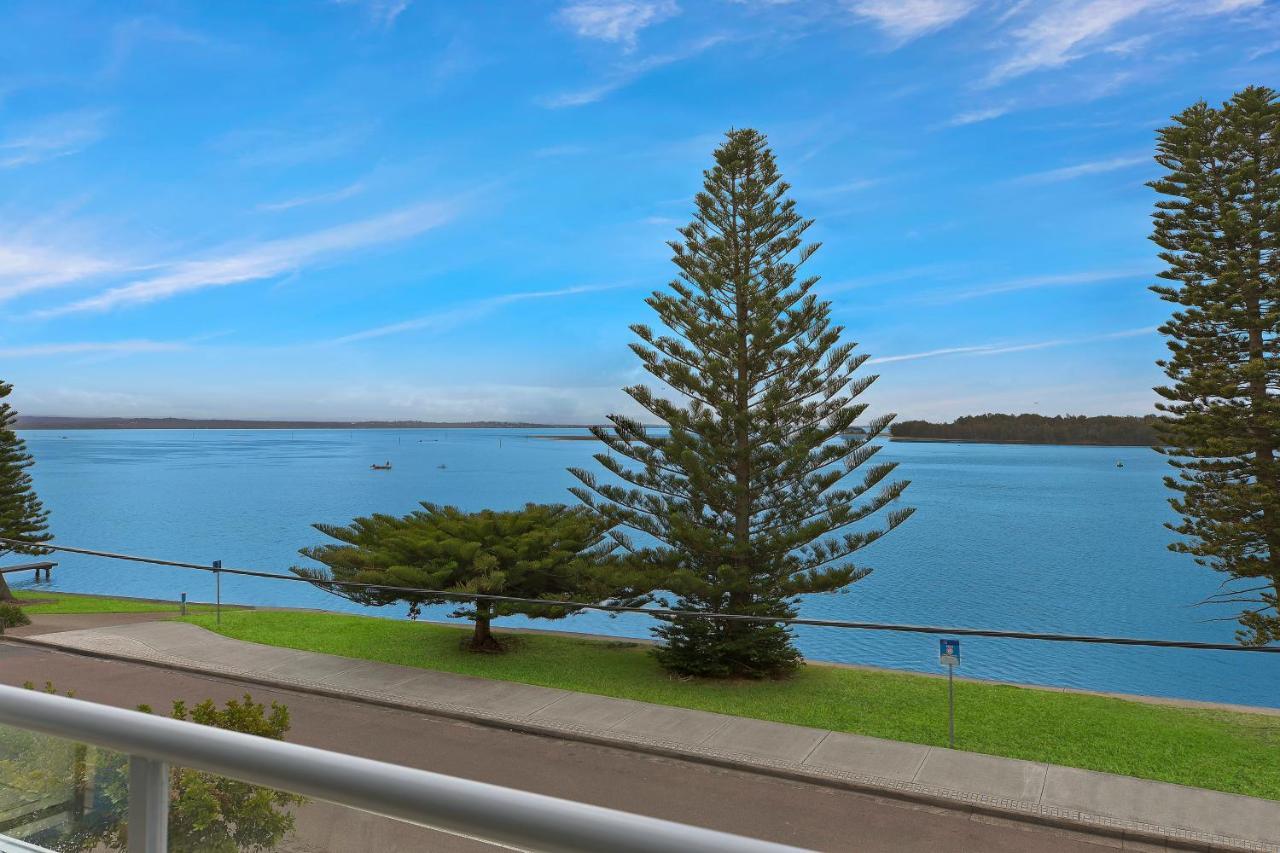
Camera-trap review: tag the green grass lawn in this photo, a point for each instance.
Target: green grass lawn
(62, 602)
(1233, 752)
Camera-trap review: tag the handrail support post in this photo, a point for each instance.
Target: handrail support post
(148, 805)
(217, 581)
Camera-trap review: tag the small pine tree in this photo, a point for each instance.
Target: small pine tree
(1219, 230)
(22, 517)
(540, 551)
(743, 503)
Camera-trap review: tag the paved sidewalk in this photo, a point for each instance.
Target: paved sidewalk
(1125, 808)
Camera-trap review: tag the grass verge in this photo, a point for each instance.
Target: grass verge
(1222, 750)
(63, 602)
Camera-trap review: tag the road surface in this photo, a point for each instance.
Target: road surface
(795, 813)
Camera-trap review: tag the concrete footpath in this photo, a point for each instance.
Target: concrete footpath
(1135, 813)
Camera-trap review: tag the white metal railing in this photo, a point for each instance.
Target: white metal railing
(458, 806)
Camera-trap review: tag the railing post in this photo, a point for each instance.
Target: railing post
(148, 805)
(217, 580)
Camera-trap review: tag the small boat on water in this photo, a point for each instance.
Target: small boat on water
(1119, 464)
(383, 467)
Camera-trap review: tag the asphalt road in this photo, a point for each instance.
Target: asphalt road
(804, 815)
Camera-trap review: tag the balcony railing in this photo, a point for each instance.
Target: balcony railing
(502, 816)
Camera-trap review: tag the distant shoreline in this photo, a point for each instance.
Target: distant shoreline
(1016, 441)
(37, 422)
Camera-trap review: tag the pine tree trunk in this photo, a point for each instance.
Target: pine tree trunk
(1265, 443)
(6, 594)
(738, 599)
(482, 639)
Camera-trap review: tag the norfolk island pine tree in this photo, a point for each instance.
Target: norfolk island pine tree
(744, 503)
(22, 516)
(546, 551)
(1219, 231)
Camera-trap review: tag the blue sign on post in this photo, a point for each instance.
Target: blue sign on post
(949, 652)
(949, 656)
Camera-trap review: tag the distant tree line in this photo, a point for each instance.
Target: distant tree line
(1037, 429)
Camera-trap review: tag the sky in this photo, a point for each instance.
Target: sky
(359, 209)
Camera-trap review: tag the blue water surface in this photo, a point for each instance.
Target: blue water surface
(1039, 538)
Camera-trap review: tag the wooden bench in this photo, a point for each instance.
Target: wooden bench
(26, 567)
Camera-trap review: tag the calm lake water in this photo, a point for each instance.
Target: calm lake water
(1051, 539)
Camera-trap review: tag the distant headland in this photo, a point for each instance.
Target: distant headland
(69, 423)
(1109, 430)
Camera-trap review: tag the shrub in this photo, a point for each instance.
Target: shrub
(11, 616)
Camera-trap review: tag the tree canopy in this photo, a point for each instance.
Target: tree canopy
(22, 516)
(543, 551)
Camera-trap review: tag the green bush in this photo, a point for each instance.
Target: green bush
(207, 812)
(11, 616)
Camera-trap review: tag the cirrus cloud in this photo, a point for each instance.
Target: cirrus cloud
(267, 259)
(616, 20)
(904, 20)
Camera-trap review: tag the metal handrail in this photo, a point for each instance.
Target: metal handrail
(219, 570)
(488, 812)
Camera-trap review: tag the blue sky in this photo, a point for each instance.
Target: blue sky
(412, 209)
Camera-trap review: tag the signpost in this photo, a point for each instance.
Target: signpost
(217, 585)
(949, 656)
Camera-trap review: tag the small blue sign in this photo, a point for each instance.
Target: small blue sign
(949, 652)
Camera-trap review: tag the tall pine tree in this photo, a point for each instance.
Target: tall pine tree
(743, 504)
(1219, 230)
(22, 517)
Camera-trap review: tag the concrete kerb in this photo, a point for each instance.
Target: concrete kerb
(1003, 808)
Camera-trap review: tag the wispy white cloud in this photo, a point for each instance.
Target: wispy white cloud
(92, 348)
(1265, 50)
(317, 198)
(458, 315)
(1036, 282)
(977, 116)
(589, 95)
(933, 353)
(616, 20)
(52, 137)
(381, 12)
(904, 20)
(268, 259)
(1214, 6)
(31, 267)
(1080, 170)
(1060, 32)
(1003, 348)
(1012, 11)
(626, 74)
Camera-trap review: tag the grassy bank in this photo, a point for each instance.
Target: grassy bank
(38, 602)
(1209, 749)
